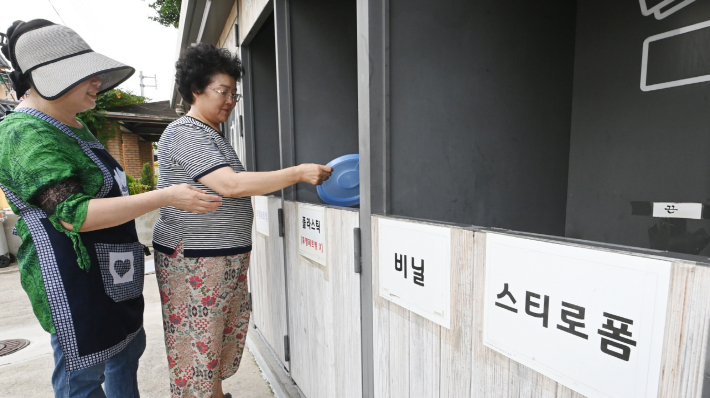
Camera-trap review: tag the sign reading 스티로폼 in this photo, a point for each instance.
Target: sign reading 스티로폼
(415, 268)
(591, 320)
(311, 237)
(261, 214)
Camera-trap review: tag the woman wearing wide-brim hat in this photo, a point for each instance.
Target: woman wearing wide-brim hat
(80, 260)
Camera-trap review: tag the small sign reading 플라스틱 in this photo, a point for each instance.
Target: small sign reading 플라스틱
(311, 226)
(261, 214)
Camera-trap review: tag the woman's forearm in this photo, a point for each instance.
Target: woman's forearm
(263, 182)
(226, 182)
(110, 212)
(249, 183)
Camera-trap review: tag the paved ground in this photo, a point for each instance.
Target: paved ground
(27, 373)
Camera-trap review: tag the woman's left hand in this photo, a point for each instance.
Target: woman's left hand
(188, 198)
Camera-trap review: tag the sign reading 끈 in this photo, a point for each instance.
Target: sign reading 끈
(415, 268)
(678, 210)
(311, 228)
(591, 320)
(261, 214)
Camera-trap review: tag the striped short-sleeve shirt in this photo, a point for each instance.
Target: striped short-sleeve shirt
(187, 151)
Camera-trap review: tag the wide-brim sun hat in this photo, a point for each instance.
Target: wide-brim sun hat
(55, 59)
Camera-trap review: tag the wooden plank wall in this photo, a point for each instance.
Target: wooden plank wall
(249, 13)
(324, 310)
(415, 357)
(267, 282)
(228, 38)
(684, 347)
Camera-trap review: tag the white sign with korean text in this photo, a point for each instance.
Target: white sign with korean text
(261, 214)
(678, 210)
(589, 319)
(415, 268)
(311, 226)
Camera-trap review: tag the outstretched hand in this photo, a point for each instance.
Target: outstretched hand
(188, 198)
(314, 174)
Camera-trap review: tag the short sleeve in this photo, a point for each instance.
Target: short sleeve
(194, 150)
(33, 158)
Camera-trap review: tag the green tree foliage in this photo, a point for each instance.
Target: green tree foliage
(147, 175)
(137, 188)
(146, 183)
(134, 187)
(95, 118)
(168, 12)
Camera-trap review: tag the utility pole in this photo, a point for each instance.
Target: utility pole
(155, 80)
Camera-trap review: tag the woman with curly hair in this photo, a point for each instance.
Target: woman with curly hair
(202, 261)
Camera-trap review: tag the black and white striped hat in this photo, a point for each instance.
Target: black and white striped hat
(55, 59)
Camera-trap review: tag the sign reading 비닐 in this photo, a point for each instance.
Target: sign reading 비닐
(311, 235)
(591, 320)
(415, 268)
(261, 214)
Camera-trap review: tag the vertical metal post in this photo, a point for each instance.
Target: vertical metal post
(284, 87)
(373, 121)
(248, 104)
(286, 135)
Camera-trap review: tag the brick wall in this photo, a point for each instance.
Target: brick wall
(126, 148)
(146, 152)
(110, 135)
(131, 155)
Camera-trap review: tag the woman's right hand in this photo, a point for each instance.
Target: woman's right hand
(188, 198)
(314, 174)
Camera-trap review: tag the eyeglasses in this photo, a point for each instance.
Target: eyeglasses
(226, 94)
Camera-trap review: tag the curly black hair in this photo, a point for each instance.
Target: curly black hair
(199, 63)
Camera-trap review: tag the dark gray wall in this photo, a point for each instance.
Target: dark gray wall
(626, 144)
(266, 118)
(324, 73)
(480, 111)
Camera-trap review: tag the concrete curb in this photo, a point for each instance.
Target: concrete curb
(278, 378)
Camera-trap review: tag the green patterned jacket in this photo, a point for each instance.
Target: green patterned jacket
(35, 155)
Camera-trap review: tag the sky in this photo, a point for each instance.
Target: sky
(119, 29)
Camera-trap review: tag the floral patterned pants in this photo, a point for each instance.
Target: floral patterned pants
(205, 304)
